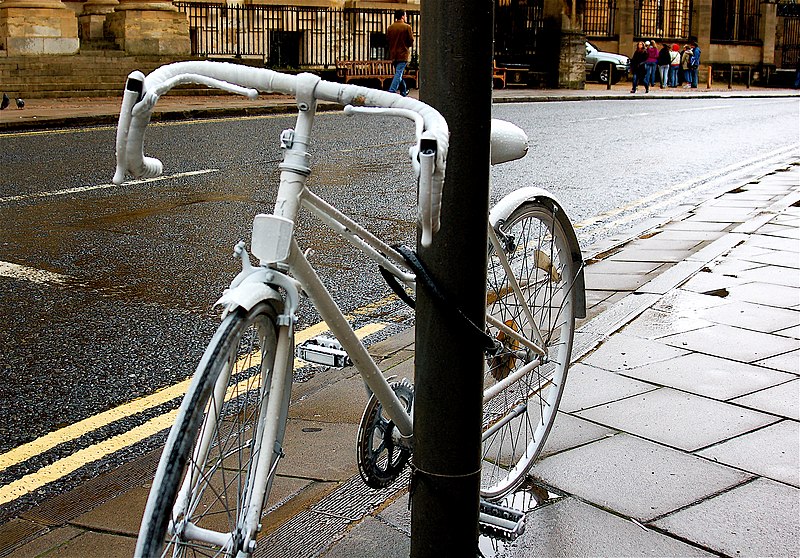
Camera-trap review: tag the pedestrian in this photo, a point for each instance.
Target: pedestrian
(695, 63)
(664, 60)
(674, 64)
(638, 61)
(400, 39)
(650, 65)
(686, 66)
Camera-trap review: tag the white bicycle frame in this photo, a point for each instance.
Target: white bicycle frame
(283, 264)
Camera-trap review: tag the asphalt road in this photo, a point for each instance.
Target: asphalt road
(108, 291)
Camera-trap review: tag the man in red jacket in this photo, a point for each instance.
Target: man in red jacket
(400, 39)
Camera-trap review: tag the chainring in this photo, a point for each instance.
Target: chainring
(380, 460)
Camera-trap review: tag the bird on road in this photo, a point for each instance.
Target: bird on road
(4, 103)
(20, 103)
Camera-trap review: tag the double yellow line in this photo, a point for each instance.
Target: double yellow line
(64, 466)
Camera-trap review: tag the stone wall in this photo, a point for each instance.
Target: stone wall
(35, 28)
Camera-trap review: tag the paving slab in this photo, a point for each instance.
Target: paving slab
(781, 231)
(747, 315)
(788, 362)
(767, 275)
(45, 544)
(759, 518)
(371, 538)
(569, 528)
(588, 386)
(782, 400)
(614, 282)
(772, 452)
(733, 343)
(94, 545)
(724, 214)
(120, 515)
(319, 450)
(793, 332)
(343, 401)
(778, 296)
(709, 281)
(685, 302)
(615, 267)
(709, 376)
(634, 477)
(680, 420)
(775, 243)
(622, 352)
(654, 324)
(570, 431)
(648, 255)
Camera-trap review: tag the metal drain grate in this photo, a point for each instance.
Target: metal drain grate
(18, 532)
(65, 507)
(313, 530)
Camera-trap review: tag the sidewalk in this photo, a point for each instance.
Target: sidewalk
(678, 434)
(52, 113)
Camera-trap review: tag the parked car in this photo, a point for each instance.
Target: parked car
(599, 64)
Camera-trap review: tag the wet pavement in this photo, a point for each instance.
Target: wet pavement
(49, 113)
(678, 434)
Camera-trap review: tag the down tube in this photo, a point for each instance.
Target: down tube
(337, 323)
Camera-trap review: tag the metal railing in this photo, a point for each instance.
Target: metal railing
(598, 18)
(517, 30)
(735, 21)
(292, 36)
(790, 39)
(662, 19)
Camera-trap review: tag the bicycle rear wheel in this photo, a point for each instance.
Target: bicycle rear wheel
(522, 389)
(205, 476)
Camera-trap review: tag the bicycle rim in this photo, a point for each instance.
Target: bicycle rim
(517, 420)
(206, 471)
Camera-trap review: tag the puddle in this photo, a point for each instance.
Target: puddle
(722, 293)
(526, 499)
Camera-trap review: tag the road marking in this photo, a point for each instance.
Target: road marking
(682, 189)
(95, 452)
(66, 465)
(40, 276)
(81, 189)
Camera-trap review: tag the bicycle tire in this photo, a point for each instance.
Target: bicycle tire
(518, 419)
(241, 356)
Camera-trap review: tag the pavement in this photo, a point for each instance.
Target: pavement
(94, 111)
(678, 433)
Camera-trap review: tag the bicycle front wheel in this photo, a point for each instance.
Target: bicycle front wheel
(205, 479)
(531, 314)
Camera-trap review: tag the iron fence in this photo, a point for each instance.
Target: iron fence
(662, 19)
(598, 18)
(292, 36)
(517, 30)
(789, 41)
(735, 21)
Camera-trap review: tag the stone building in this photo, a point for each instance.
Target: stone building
(542, 39)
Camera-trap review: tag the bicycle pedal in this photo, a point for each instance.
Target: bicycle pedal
(500, 522)
(326, 351)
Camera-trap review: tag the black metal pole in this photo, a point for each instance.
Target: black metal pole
(456, 78)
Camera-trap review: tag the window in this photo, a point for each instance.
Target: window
(735, 20)
(662, 19)
(598, 18)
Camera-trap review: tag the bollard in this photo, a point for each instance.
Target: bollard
(610, 76)
(749, 68)
(730, 78)
(710, 71)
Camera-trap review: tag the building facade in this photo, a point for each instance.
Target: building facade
(544, 38)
